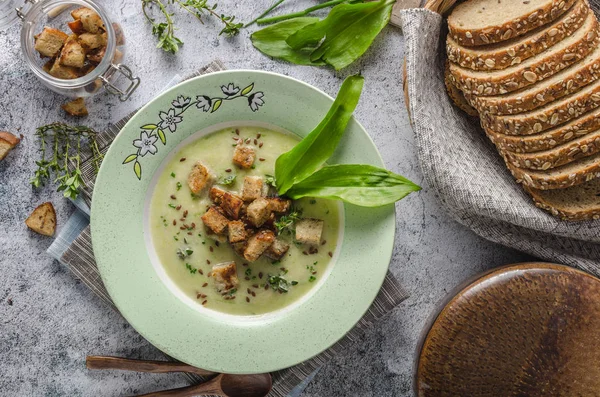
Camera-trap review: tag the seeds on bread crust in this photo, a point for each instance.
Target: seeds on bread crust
(536, 68)
(480, 22)
(571, 174)
(586, 145)
(548, 116)
(456, 95)
(547, 139)
(504, 54)
(561, 84)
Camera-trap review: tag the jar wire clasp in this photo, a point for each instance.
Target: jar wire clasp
(134, 82)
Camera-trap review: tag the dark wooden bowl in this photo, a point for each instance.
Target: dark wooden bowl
(530, 329)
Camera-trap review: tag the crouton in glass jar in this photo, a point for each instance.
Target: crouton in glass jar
(73, 47)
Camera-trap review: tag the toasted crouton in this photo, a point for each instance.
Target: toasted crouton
(279, 205)
(43, 219)
(225, 275)
(91, 41)
(77, 13)
(199, 178)
(232, 205)
(258, 211)
(63, 72)
(309, 230)
(239, 248)
(90, 20)
(7, 143)
(75, 107)
(76, 26)
(96, 55)
(47, 66)
(72, 53)
(49, 42)
(215, 220)
(243, 156)
(277, 250)
(237, 231)
(258, 244)
(216, 194)
(252, 189)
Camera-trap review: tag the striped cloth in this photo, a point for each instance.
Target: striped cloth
(73, 247)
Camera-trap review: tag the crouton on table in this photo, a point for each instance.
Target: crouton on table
(232, 205)
(199, 178)
(72, 53)
(277, 250)
(237, 231)
(225, 275)
(75, 107)
(252, 189)
(49, 42)
(309, 230)
(43, 219)
(243, 156)
(279, 205)
(215, 220)
(258, 211)
(258, 244)
(7, 143)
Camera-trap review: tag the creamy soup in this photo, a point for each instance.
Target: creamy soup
(188, 249)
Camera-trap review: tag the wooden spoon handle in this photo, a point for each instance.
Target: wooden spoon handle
(104, 362)
(209, 388)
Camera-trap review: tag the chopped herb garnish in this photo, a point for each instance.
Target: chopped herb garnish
(313, 201)
(185, 240)
(204, 242)
(275, 262)
(270, 180)
(172, 206)
(232, 291)
(253, 166)
(172, 175)
(190, 268)
(279, 283)
(286, 222)
(294, 282)
(315, 263)
(175, 238)
(228, 180)
(178, 185)
(311, 279)
(182, 254)
(248, 272)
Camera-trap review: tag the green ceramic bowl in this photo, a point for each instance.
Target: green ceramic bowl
(142, 291)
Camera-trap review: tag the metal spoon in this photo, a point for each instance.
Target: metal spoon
(224, 385)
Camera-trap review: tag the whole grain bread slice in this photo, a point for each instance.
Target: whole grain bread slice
(516, 50)
(576, 203)
(548, 116)
(561, 84)
(541, 66)
(550, 138)
(457, 96)
(586, 145)
(480, 22)
(571, 174)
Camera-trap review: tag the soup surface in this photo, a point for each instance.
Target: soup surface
(188, 250)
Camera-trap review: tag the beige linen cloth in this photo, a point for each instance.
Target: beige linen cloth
(79, 256)
(463, 168)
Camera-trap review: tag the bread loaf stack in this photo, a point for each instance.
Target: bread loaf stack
(531, 70)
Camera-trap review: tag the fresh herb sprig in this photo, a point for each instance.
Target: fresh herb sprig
(280, 284)
(61, 144)
(286, 222)
(165, 31)
(301, 172)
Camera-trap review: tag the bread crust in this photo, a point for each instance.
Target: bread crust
(457, 96)
(528, 73)
(494, 34)
(563, 212)
(519, 49)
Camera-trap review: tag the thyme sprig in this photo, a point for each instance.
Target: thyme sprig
(286, 222)
(60, 144)
(165, 31)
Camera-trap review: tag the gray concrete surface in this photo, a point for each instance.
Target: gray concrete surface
(49, 321)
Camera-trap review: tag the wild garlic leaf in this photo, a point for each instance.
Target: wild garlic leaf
(271, 41)
(359, 184)
(312, 151)
(347, 32)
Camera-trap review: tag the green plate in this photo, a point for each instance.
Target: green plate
(144, 294)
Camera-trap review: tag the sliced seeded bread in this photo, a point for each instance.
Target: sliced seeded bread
(574, 173)
(532, 70)
(456, 95)
(507, 53)
(576, 203)
(561, 84)
(586, 145)
(480, 22)
(548, 116)
(550, 138)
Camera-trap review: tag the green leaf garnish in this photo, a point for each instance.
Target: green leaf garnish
(308, 155)
(228, 180)
(358, 184)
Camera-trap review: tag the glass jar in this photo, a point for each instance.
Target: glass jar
(110, 73)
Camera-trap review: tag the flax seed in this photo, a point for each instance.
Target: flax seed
(247, 278)
(260, 145)
(204, 302)
(260, 275)
(190, 233)
(174, 222)
(228, 170)
(211, 249)
(185, 213)
(173, 197)
(249, 291)
(324, 242)
(237, 132)
(207, 262)
(217, 243)
(258, 136)
(255, 141)
(254, 285)
(261, 159)
(244, 264)
(266, 287)
(178, 207)
(253, 294)
(330, 254)
(193, 225)
(201, 272)
(204, 285)
(182, 159)
(247, 299)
